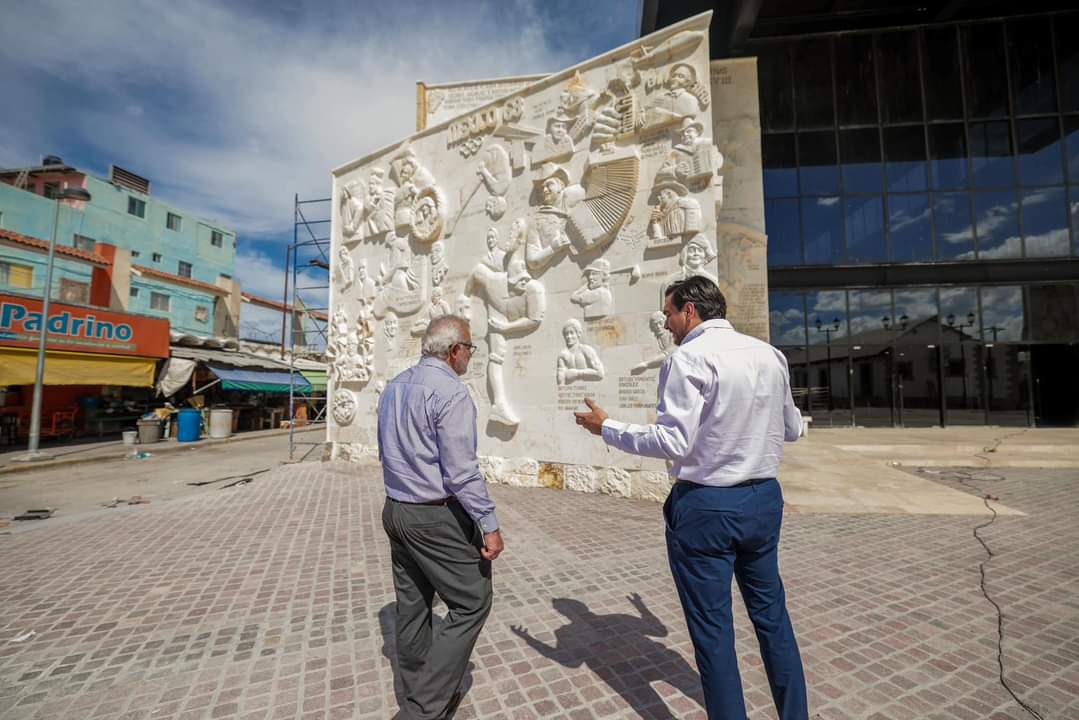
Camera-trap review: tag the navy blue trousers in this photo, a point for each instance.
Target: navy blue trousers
(715, 533)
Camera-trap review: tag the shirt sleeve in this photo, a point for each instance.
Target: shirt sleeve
(456, 426)
(678, 415)
(792, 417)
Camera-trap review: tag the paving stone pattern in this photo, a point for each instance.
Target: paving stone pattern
(274, 600)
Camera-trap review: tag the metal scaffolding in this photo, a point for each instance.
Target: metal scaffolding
(307, 260)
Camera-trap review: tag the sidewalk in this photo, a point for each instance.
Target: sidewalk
(274, 600)
(111, 450)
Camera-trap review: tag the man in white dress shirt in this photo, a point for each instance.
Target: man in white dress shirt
(725, 409)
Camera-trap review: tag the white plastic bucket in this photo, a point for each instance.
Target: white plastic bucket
(130, 436)
(220, 422)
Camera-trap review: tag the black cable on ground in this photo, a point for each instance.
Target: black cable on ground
(966, 479)
(245, 476)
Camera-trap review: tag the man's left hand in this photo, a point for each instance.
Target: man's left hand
(592, 421)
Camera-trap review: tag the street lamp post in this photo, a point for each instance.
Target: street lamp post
(32, 452)
(950, 319)
(896, 378)
(828, 330)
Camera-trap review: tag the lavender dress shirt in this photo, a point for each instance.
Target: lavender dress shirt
(427, 441)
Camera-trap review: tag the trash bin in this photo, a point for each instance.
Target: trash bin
(130, 436)
(190, 425)
(149, 431)
(220, 422)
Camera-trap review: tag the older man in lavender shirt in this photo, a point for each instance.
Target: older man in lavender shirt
(439, 518)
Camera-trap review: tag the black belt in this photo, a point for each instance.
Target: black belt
(441, 501)
(744, 483)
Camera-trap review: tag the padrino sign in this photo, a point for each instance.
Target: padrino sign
(87, 329)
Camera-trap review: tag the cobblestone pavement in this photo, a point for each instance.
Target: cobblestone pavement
(273, 600)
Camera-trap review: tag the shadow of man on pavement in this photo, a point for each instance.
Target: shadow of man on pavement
(620, 650)
(388, 627)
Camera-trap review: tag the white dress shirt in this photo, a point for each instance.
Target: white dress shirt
(725, 408)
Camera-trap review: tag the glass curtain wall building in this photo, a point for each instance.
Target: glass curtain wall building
(922, 210)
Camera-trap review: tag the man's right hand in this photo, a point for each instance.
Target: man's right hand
(492, 545)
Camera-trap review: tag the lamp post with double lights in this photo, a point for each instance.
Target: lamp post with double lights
(828, 330)
(32, 452)
(896, 378)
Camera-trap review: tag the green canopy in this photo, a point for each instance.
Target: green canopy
(317, 378)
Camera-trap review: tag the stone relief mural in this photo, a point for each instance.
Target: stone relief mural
(551, 217)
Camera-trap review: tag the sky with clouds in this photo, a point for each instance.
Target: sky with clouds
(232, 108)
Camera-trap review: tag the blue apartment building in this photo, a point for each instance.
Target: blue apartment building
(167, 262)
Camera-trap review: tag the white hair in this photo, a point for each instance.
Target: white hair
(442, 334)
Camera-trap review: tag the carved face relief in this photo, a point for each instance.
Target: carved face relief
(558, 130)
(695, 256)
(408, 169)
(361, 270)
(344, 406)
(667, 198)
(390, 326)
(595, 279)
(438, 252)
(492, 238)
(552, 191)
(572, 335)
(680, 77)
(690, 135)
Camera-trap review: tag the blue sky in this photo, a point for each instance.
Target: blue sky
(231, 108)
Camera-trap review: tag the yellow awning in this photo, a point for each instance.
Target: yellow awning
(18, 366)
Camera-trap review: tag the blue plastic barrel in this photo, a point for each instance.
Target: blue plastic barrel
(190, 425)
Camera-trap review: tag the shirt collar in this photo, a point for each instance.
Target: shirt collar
(717, 323)
(440, 364)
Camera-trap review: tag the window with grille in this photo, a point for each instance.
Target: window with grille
(84, 243)
(184, 269)
(159, 301)
(173, 221)
(16, 275)
(136, 207)
(217, 239)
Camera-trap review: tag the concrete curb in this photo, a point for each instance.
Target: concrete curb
(116, 450)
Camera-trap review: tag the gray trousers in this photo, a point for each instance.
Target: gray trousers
(435, 549)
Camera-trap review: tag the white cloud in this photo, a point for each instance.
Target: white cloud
(230, 109)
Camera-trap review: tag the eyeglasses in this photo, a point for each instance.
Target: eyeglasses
(470, 346)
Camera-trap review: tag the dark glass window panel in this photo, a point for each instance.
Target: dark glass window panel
(1066, 32)
(1071, 138)
(868, 308)
(1002, 314)
(1052, 313)
(952, 226)
(1045, 222)
(948, 153)
(818, 171)
(1040, 152)
(822, 230)
(780, 168)
(1031, 56)
(997, 225)
(827, 307)
(916, 310)
(940, 71)
(985, 76)
(959, 314)
(897, 63)
(991, 154)
(865, 229)
(784, 236)
(786, 315)
(904, 157)
(1073, 207)
(776, 89)
(813, 100)
(912, 233)
(859, 153)
(855, 80)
